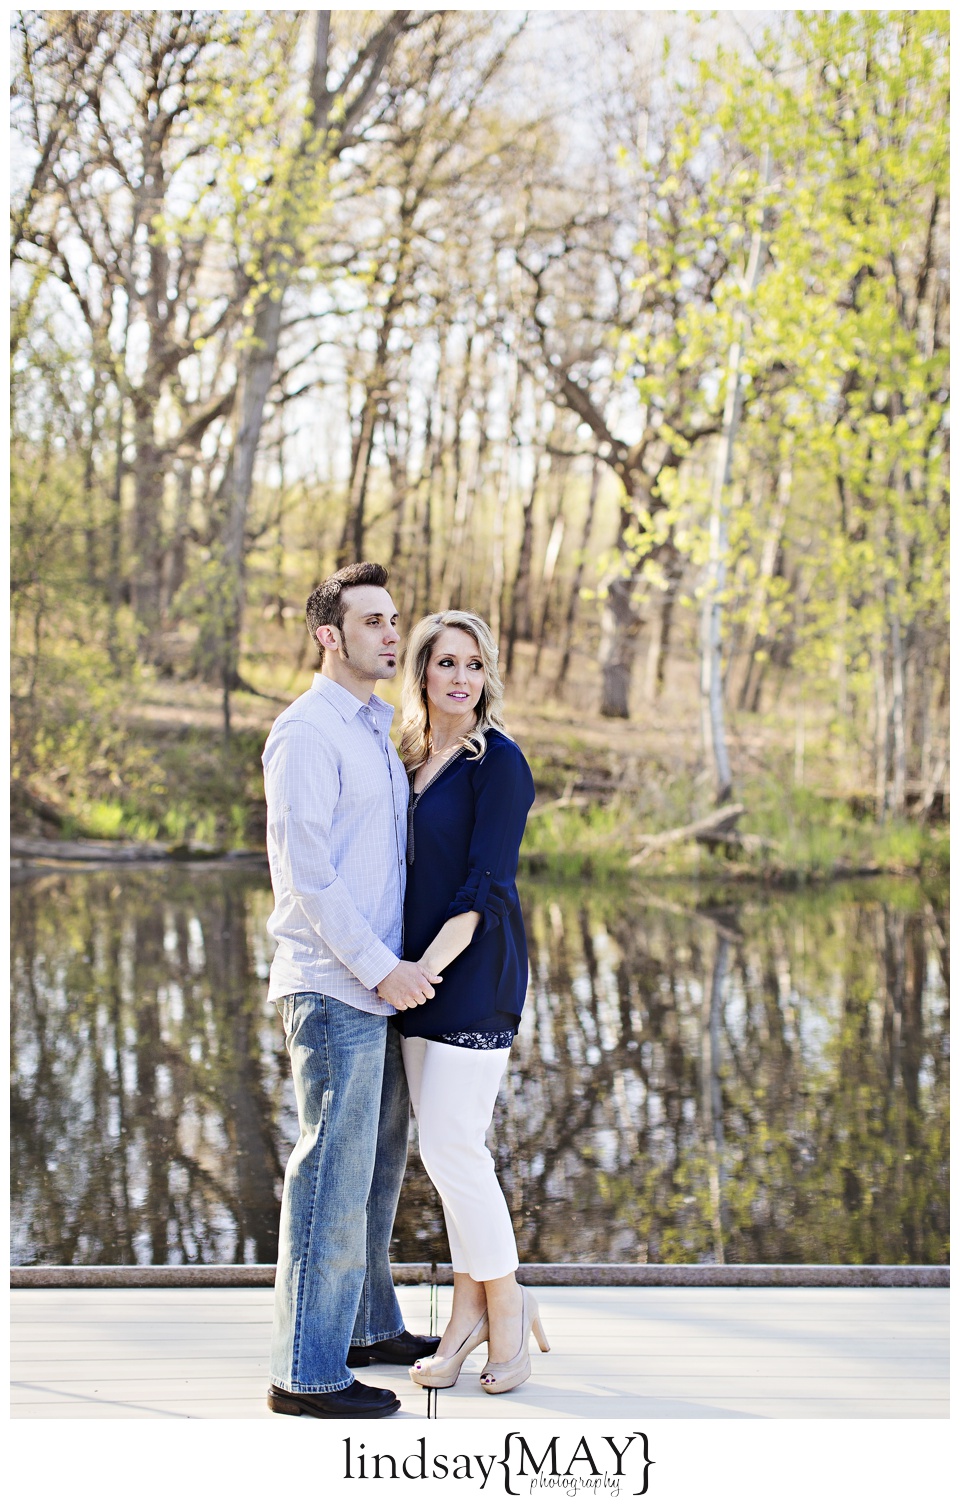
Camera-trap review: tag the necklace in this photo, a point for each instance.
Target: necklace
(437, 759)
(441, 754)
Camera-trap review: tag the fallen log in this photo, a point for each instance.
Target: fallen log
(110, 851)
(22, 795)
(719, 825)
(717, 828)
(566, 800)
(753, 843)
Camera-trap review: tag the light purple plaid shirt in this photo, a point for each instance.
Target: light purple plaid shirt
(336, 834)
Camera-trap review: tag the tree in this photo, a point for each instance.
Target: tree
(342, 104)
(851, 318)
(102, 98)
(612, 328)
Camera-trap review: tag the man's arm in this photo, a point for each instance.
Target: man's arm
(302, 784)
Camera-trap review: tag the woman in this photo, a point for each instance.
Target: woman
(470, 792)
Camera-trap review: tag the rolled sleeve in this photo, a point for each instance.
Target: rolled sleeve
(503, 795)
(303, 785)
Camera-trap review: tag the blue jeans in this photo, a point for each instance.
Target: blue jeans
(340, 1192)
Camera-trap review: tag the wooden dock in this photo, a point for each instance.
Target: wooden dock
(616, 1353)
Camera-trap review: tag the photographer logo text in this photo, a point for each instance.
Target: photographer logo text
(607, 1464)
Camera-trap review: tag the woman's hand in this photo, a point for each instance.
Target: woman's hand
(407, 985)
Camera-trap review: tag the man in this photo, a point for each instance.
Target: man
(336, 840)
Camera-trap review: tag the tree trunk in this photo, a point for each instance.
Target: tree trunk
(881, 742)
(352, 541)
(573, 599)
(90, 509)
(399, 490)
(551, 555)
(711, 684)
(521, 616)
(418, 579)
(769, 554)
(512, 302)
(501, 503)
(662, 623)
(466, 483)
(261, 353)
(498, 567)
(255, 381)
(620, 624)
(115, 539)
(176, 558)
(354, 526)
(148, 543)
(897, 724)
(711, 680)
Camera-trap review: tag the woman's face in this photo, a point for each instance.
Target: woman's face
(454, 674)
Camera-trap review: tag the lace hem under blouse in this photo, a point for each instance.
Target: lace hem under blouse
(476, 1039)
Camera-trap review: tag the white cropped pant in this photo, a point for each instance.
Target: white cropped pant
(453, 1091)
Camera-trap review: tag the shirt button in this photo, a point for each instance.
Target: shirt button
(486, 872)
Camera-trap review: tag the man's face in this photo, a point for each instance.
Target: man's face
(368, 641)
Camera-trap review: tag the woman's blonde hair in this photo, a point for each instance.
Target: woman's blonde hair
(414, 709)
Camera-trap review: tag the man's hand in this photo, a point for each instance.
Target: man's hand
(407, 985)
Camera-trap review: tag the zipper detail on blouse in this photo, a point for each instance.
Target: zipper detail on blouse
(416, 795)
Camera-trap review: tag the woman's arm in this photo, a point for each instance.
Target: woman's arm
(451, 940)
(503, 795)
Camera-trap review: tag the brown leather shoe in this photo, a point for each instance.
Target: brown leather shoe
(355, 1402)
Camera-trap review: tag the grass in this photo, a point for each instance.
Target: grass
(811, 838)
(601, 788)
(201, 795)
(818, 835)
(209, 797)
(567, 843)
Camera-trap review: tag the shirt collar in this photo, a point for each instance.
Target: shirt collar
(347, 705)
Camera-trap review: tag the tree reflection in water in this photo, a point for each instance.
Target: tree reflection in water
(752, 1078)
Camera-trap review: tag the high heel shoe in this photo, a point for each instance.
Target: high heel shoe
(443, 1372)
(501, 1377)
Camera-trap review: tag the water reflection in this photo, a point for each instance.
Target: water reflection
(753, 1080)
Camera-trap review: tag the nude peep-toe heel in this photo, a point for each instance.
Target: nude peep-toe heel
(443, 1372)
(501, 1377)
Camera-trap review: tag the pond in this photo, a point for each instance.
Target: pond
(735, 1076)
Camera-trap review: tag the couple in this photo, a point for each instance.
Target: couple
(401, 961)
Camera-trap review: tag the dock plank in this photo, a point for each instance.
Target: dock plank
(616, 1354)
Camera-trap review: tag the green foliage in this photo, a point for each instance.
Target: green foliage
(847, 310)
(75, 678)
(845, 352)
(814, 837)
(568, 842)
(845, 356)
(203, 795)
(72, 660)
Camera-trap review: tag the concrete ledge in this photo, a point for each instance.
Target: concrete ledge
(574, 1275)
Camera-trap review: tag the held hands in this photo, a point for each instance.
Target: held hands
(407, 985)
(411, 984)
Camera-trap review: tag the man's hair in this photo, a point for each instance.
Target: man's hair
(327, 603)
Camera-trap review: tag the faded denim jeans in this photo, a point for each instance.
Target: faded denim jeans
(340, 1192)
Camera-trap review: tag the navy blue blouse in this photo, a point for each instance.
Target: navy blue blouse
(467, 827)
